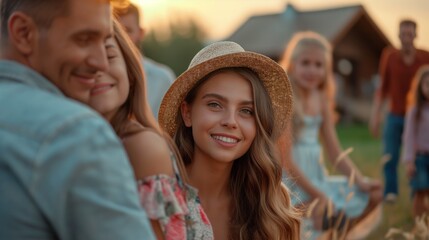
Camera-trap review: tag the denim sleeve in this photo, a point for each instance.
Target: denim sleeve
(85, 186)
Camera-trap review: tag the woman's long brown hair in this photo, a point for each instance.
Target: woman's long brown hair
(415, 97)
(261, 207)
(136, 107)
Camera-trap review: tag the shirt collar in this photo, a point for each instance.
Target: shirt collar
(15, 72)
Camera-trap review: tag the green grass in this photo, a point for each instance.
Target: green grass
(366, 155)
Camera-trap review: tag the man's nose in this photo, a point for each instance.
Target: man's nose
(98, 58)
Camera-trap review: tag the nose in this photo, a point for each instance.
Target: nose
(313, 69)
(98, 58)
(229, 119)
(98, 75)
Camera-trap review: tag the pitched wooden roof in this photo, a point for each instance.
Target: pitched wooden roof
(268, 34)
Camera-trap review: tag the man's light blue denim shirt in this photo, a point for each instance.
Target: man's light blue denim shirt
(63, 172)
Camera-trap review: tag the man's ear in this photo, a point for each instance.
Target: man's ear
(185, 110)
(22, 32)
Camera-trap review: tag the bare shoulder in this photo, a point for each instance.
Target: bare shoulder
(149, 154)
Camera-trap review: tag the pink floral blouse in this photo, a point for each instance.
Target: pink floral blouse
(198, 226)
(163, 199)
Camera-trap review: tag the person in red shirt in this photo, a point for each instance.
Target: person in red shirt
(397, 69)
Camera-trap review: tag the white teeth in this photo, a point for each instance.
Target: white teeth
(105, 87)
(225, 139)
(99, 89)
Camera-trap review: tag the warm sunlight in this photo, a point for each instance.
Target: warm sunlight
(154, 14)
(151, 8)
(220, 18)
(147, 2)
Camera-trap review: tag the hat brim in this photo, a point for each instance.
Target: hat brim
(273, 76)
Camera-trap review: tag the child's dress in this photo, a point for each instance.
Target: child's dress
(307, 156)
(162, 198)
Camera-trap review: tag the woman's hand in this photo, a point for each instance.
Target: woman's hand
(368, 185)
(411, 169)
(372, 187)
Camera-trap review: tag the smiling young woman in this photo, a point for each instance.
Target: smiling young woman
(225, 113)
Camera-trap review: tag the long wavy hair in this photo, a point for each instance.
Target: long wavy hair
(261, 207)
(415, 97)
(136, 106)
(299, 42)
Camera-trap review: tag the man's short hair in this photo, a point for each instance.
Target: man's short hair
(126, 10)
(408, 22)
(42, 11)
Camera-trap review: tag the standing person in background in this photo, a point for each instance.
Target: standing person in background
(225, 113)
(397, 69)
(63, 172)
(119, 96)
(416, 140)
(308, 61)
(159, 77)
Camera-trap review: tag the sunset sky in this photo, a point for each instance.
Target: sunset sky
(220, 18)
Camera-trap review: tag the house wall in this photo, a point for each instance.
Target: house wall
(355, 93)
(364, 56)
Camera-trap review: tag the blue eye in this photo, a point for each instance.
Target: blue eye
(213, 104)
(247, 111)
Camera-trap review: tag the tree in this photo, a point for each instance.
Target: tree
(184, 39)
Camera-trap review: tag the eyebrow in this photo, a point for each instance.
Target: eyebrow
(88, 32)
(222, 98)
(92, 33)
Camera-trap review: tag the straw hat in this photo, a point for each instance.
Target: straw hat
(221, 55)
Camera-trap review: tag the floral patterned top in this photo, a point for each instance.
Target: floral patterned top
(163, 199)
(198, 226)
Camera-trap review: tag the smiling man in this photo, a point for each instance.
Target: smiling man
(63, 173)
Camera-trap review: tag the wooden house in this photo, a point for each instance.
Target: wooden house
(357, 45)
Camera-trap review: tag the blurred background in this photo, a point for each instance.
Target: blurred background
(358, 30)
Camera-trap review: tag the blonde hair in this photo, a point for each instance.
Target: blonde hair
(299, 42)
(261, 207)
(136, 106)
(415, 96)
